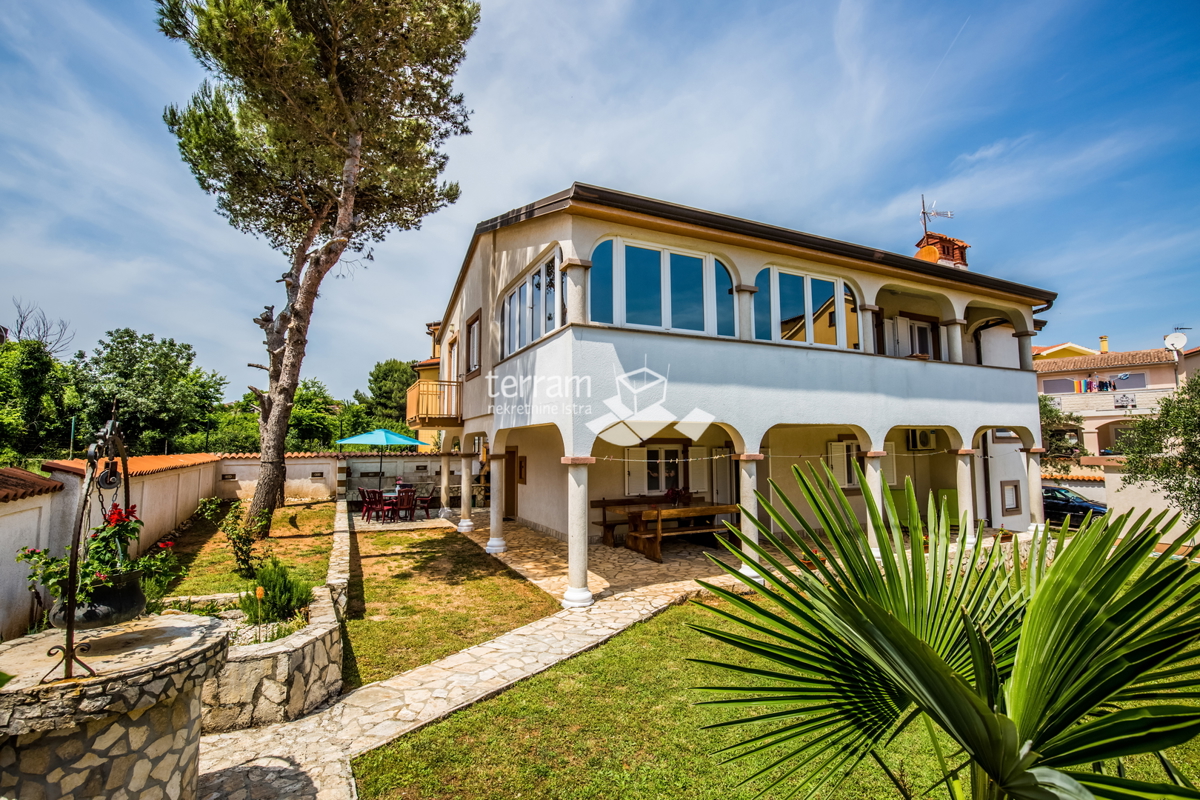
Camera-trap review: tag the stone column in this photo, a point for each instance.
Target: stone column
(1033, 456)
(496, 543)
(445, 480)
(574, 272)
(465, 525)
(964, 486)
(748, 473)
(578, 594)
(873, 473)
(1025, 348)
(745, 307)
(868, 313)
(954, 338)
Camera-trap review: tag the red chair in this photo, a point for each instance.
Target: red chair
(373, 505)
(427, 502)
(404, 504)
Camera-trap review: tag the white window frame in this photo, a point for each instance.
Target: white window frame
(637, 468)
(840, 453)
(709, 262)
(839, 285)
(533, 318)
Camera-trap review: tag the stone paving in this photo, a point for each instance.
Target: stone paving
(309, 757)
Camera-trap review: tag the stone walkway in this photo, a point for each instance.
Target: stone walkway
(308, 759)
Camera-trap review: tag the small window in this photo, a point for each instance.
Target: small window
(551, 320)
(762, 305)
(1058, 386)
(726, 302)
(1000, 435)
(1130, 380)
(687, 292)
(852, 338)
(824, 312)
(474, 360)
(535, 305)
(600, 284)
(793, 314)
(1010, 497)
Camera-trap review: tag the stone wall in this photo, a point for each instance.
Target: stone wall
(132, 731)
(280, 680)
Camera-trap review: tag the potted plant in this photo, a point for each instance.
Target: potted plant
(109, 588)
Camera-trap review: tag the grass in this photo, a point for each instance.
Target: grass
(420, 595)
(301, 536)
(618, 721)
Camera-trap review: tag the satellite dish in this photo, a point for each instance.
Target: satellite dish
(1175, 341)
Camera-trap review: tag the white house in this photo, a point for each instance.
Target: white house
(599, 344)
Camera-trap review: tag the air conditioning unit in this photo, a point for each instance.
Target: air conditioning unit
(922, 438)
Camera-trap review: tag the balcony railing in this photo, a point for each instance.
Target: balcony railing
(435, 404)
(1109, 401)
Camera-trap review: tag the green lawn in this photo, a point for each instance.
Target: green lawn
(417, 596)
(301, 536)
(617, 722)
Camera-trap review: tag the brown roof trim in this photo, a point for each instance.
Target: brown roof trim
(17, 484)
(623, 201)
(139, 465)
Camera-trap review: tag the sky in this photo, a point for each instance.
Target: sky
(1063, 135)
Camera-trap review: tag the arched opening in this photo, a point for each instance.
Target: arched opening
(988, 338)
(811, 448)
(1004, 497)
(909, 323)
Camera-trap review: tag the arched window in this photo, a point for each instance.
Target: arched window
(762, 305)
(726, 301)
(600, 284)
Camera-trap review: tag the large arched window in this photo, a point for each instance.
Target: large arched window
(643, 285)
(791, 306)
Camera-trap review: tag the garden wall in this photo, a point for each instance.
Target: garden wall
(309, 476)
(26, 516)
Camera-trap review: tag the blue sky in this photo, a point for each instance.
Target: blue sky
(1062, 134)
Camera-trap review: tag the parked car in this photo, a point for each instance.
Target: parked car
(1059, 503)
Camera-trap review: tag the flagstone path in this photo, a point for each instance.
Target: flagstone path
(309, 758)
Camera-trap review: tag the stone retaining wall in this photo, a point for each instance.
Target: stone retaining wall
(280, 680)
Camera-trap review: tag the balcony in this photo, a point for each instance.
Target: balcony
(1109, 402)
(435, 404)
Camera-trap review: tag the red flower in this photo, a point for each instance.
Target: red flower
(117, 515)
(165, 544)
(101, 576)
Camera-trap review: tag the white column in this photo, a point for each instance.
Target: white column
(873, 473)
(748, 474)
(868, 312)
(574, 271)
(1025, 348)
(465, 524)
(496, 543)
(745, 307)
(1037, 515)
(954, 338)
(966, 496)
(577, 594)
(445, 480)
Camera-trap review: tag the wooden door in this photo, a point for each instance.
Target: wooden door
(510, 482)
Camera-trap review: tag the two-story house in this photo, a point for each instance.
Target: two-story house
(1108, 388)
(599, 344)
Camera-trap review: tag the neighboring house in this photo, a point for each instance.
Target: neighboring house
(1191, 363)
(1107, 389)
(601, 345)
(28, 518)
(1064, 350)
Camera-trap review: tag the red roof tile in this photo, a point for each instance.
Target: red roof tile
(1073, 478)
(140, 465)
(17, 484)
(1127, 358)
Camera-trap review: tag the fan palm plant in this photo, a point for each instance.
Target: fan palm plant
(1042, 674)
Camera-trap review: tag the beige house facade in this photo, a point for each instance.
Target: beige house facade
(599, 345)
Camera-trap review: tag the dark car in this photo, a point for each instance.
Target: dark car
(1059, 503)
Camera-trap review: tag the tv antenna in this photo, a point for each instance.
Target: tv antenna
(932, 211)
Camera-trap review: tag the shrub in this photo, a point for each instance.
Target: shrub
(282, 595)
(241, 534)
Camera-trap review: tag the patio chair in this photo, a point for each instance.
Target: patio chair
(403, 505)
(373, 504)
(427, 502)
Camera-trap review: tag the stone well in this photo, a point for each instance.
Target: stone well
(131, 731)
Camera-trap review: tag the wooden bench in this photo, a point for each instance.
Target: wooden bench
(608, 525)
(646, 528)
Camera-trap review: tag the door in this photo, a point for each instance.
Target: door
(510, 482)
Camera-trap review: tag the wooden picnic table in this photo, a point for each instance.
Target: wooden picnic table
(647, 527)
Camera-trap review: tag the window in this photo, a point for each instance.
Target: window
(530, 310)
(1010, 498)
(643, 285)
(658, 468)
(1058, 386)
(795, 307)
(762, 305)
(474, 360)
(841, 454)
(1000, 435)
(1130, 380)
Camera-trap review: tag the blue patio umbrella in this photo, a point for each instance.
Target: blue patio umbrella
(377, 437)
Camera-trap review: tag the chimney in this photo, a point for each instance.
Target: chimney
(942, 249)
(1103, 344)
